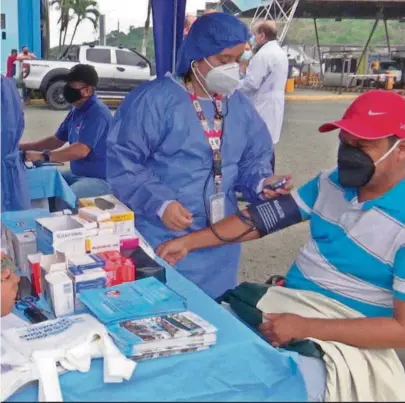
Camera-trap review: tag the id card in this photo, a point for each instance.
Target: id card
(217, 207)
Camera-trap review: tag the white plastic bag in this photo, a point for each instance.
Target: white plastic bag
(70, 343)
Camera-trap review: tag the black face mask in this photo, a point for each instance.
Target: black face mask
(71, 94)
(355, 167)
(25, 52)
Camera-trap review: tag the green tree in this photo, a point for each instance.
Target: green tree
(84, 10)
(64, 19)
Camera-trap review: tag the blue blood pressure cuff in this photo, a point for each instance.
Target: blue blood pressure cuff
(274, 215)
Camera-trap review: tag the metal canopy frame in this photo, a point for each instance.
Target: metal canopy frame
(280, 11)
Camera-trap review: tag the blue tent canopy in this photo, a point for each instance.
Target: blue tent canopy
(168, 25)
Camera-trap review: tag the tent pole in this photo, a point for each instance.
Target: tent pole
(174, 48)
(318, 46)
(387, 36)
(377, 19)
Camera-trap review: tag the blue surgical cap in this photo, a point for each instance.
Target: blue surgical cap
(209, 35)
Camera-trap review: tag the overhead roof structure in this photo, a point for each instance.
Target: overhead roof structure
(344, 9)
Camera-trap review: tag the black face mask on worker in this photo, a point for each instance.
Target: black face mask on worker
(355, 167)
(71, 94)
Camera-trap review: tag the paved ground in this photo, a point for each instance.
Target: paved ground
(302, 152)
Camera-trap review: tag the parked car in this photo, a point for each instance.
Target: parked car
(393, 67)
(119, 70)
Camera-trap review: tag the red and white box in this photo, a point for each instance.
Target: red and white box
(119, 269)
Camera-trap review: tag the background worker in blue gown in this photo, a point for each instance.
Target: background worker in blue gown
(14, 182)
(165, 136)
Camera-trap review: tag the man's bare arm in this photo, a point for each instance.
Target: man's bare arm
(229, 228)
(375, 333)
(50, 143)
(363, 333)
(73, 152)
(176, 249)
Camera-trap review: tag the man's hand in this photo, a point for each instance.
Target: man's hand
(176, 217)
(286, 189)
(33, 156)
(173, 251)
(282, 328)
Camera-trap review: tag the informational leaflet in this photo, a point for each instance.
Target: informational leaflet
(176, 331)
(137, 299)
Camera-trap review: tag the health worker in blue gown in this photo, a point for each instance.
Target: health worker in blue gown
(14, 182)
(179, 145)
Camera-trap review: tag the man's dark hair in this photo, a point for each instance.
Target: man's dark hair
(24, 46)
(83, 73)
(268, 28)
(14, 51)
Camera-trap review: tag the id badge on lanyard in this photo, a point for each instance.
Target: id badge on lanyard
(214, 137)
(217, 207)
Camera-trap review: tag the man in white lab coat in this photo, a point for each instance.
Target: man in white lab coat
(266, 77)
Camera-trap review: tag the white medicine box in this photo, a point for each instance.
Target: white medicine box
(18, 235)
(54, 231)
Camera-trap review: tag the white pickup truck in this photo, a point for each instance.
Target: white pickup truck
(119, 70)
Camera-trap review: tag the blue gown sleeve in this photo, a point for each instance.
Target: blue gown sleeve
(255, 163)
(136, 132)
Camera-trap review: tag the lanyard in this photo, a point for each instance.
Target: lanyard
(214, 136)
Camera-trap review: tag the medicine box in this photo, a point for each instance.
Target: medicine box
(34, 262)
(53, 231)
(85, 280)
(103, 243)
(19, 230)
(121, 215)
(94, 214)
(59, 288)
(51, 264)
(119, 269)
(85, 262)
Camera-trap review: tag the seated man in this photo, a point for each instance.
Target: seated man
(354, 261)
(85, 129)
(9, 285)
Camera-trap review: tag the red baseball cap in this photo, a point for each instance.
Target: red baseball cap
(373, 115)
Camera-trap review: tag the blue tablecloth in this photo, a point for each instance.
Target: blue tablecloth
(240, 367)
(47, 182)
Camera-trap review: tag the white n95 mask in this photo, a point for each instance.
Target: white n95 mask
(223, 79)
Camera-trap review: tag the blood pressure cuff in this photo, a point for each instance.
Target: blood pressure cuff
(275, 215)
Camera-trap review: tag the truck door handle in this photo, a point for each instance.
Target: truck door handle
(120, 69)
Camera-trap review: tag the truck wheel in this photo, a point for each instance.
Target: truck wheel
(55, 98)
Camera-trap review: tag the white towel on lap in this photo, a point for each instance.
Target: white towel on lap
(353, 374)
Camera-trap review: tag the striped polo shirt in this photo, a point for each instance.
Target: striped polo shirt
(356, 251)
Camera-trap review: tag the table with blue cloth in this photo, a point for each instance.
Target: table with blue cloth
(47, 181)
(240, 367)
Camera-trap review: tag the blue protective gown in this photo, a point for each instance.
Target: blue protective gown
(157, 151)
(14, 182)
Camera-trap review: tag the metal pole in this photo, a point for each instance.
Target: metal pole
(102, 30)
(377, 18)
(318, 46)
(342, 75)
(174, 37)
(387, 36)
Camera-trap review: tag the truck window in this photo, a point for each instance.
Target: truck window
(98, 55)
(129, 59)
